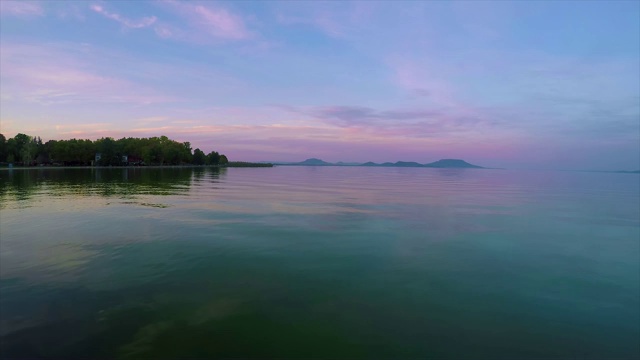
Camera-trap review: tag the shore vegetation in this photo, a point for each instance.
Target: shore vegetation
(25, 150)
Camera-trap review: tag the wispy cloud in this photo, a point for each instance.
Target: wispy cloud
(72, 11)
(51, 74)
(150, 120)
(334, 19)
(422, 77)
(324, 22)
(80, 130)
(204, 21)
(166, 31)
(131, 24)
(407, 122)
(349, 115)
(21, 8)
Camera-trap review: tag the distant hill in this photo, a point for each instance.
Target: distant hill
(629, 172)
(314, 162)
(308, 162)
(407, 164)
(443, 163)
(452, 163)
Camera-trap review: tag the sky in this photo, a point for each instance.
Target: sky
(515, 84)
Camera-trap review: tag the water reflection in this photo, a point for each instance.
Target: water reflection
(331, 262)
(23, 184)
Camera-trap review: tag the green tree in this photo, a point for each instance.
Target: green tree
(186, 156)
(199, 158)
(58, 151)
(24, 148)
(29, 151)
(21, 142)
(49, 149)
(107, 149)
(42, 156)
(213, 158)
(156, 150)
(3, 148)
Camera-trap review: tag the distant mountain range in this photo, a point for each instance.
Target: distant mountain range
(628, 172)
(443, 163)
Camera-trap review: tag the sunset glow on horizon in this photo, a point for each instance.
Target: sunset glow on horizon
(523, 84)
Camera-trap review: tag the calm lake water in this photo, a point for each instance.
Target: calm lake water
(319, 262)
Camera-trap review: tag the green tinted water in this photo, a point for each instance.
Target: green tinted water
(319, 262)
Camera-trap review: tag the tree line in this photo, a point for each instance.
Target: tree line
(31, 150)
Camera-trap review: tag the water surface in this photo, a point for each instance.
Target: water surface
(319, 262)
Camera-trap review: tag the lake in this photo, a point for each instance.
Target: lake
(319, 262)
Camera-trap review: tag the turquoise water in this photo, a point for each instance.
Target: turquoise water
(319, 262)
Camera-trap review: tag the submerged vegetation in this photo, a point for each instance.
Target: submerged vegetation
(29, 151)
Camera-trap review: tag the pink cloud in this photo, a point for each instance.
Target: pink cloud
(21, 8)
(284, 135)
(132, 24)
(295, 142)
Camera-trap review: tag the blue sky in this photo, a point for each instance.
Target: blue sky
(543, 84)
